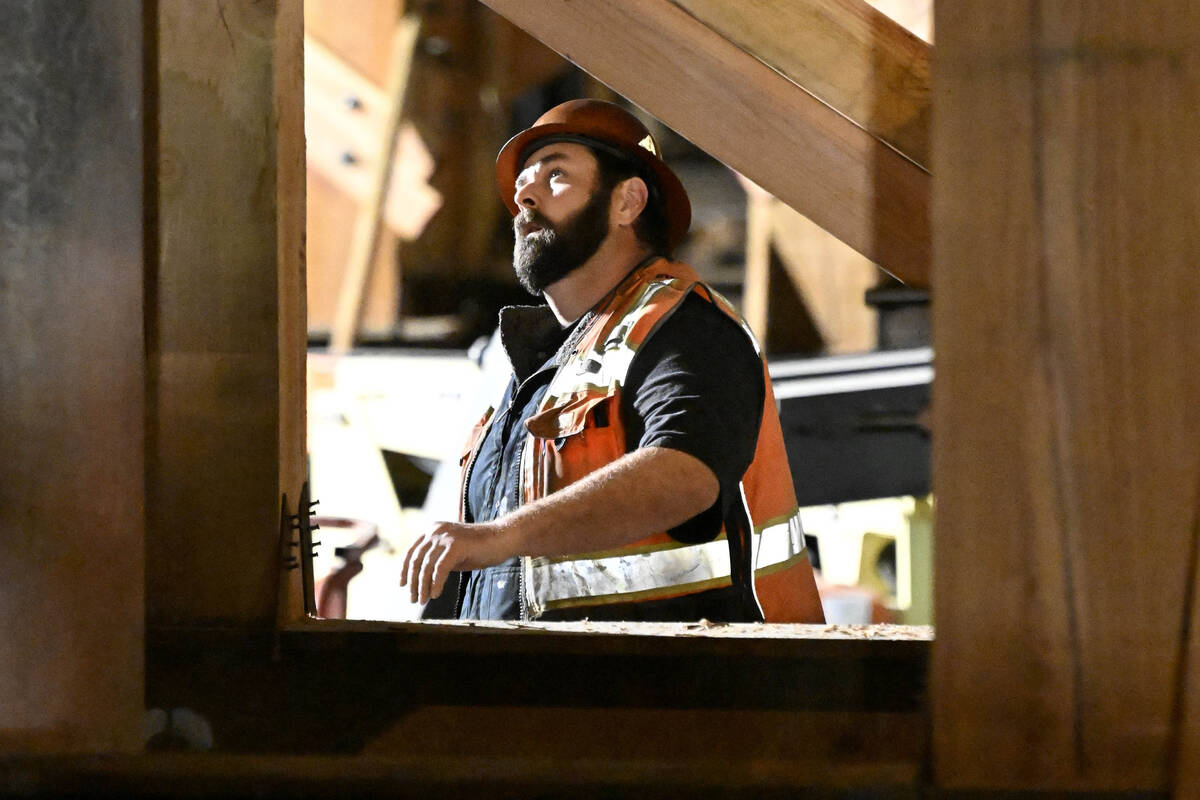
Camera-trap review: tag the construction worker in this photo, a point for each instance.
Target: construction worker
(634, 468)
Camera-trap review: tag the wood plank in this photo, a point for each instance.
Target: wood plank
(291, 205)
(851, 56)
(332, 214)
(213, 462)
(832, 278)
(526, 774)
(72, 372)
(1184, 755)
(356, 30)
(756, 289)
(749, 116)
(375, 677)
(356, 33)
(368, 225)
(1067, 401)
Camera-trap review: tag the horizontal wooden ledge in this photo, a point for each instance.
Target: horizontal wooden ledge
(630, 638)
(221, 775)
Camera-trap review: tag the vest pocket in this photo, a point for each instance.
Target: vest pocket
(571, 438)
(571, 416)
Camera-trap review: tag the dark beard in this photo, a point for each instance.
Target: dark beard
(552, 253)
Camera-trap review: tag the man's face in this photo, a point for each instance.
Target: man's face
(563, 218)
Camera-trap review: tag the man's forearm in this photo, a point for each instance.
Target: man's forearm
(649, 490)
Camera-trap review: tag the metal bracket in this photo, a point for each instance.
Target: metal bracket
(300, 522)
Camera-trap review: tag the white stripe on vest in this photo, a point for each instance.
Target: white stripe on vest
(670, 571)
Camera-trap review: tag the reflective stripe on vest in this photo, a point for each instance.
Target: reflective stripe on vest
(663, 572)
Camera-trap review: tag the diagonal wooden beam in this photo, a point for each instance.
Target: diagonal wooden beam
(851, 56)
(751, 117)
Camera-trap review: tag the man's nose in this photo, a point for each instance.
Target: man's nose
(525, 195)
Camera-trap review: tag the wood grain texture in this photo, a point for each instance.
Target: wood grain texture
(71, 375)
(369, 223)
(1067, 402)
(526, 774)
(851, 56)
(785, 706)
(730, 104)
(832, 278)
(355, 33)
(1183, 758)
(756, 289)
(213, 461)
(291, 196)
(357, 30)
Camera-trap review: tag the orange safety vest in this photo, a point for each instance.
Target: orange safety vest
(577, 429)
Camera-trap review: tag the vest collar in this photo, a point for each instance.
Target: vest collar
(529, 335)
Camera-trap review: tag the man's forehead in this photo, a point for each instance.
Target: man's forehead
(560, 151)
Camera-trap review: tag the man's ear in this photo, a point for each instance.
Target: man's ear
(629, 198)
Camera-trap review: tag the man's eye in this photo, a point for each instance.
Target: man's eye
(556, 173)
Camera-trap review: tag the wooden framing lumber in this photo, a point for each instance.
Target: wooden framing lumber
(748, 115)
(72, 366)
(845, 52)
(369, 223)
(1067, 400)
(756, 289)
(224, 355)
(832, 278)
(291, 239)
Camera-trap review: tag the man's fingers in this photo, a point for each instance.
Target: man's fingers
(433, 556)
(441, 571)
(413, 549)
(417, 557)
(424, 579)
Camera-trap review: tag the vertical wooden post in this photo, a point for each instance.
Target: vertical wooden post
(221, 345)
(1067, 401)
(71, 376)
(756, 293)
(291, 208)
(832, 278)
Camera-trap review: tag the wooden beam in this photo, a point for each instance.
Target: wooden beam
(851, 56)
(743, 112)
(72, 366)
(1067, 400)
(228, 254)
(346, 56)
(756, 287)
(369, 223)
(291, 237)
(832, 278)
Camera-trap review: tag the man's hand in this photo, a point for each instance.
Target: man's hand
(649, 490)
(449, 547)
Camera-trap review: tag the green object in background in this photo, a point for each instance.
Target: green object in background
(920, 543)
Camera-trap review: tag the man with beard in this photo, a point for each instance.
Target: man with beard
(634, 468)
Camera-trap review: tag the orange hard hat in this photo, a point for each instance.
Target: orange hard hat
(606, 126)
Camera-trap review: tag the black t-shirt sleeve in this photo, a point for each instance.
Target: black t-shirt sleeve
(697, 386)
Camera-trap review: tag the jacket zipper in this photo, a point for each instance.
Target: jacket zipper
(523, 614)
